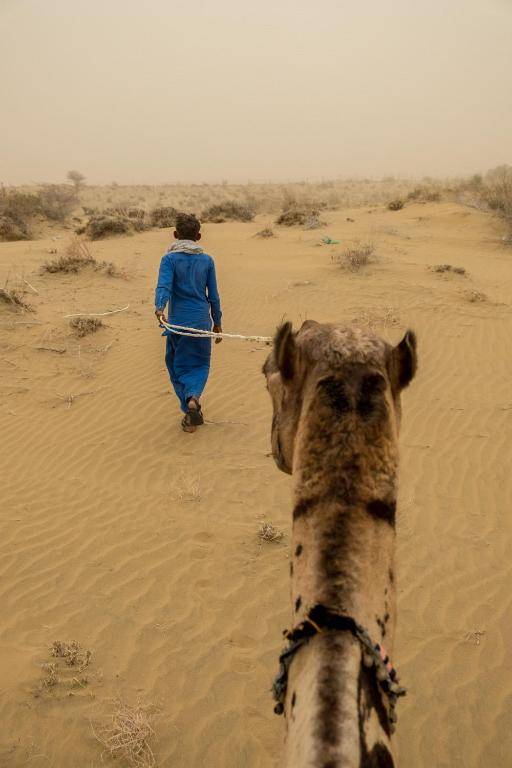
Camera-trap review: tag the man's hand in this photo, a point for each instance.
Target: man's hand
(217, 329)
(160, 315)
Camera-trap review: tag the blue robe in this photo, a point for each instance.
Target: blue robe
(187, 282)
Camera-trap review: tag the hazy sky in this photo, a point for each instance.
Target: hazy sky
(173, 90)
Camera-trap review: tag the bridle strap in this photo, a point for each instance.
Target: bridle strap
(319, 621)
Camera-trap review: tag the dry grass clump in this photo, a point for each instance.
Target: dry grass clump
(229, 210)
(476, 296)
(76, 258)
(163, 216)
(313, 221)
(83, 326)
(14, 299)
(128, 734)
(357, 257)
(266, 232)
(444, 268)
(396, 205)
(110, 269)
(72, 653)
(268, 532)
(50, 679)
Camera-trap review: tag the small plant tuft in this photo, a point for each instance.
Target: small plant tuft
(265, 233)
(357, 257)
(396, 205)
(444, 268)
(84, 326)
(14, 299)
(268, 532)
(76, 258)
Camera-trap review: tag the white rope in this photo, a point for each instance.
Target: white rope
(183, 330)
(99, 314)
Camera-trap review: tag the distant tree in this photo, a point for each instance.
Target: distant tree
(76, 178)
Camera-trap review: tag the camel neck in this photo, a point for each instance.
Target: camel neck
(342, 557)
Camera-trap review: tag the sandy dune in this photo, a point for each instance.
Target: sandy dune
(140, 542)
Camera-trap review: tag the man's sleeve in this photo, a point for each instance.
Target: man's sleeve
(213, 294)
(164, 284)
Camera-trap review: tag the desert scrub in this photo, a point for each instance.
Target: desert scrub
(357, 257)
(128, 734)
(14, 299)
(444, 268)
(84, 326)
(163, 216)
(230, 210)
(266, 232)
(76, 258)
(268, 532)
(395, 205)
(99, 227)
(13, 229)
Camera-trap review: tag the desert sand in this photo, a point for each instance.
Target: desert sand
(141, 542)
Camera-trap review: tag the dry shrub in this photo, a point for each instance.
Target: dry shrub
(72, 653)
(396, 205)
(13, 229)
(128, 734)
(229, 210)
(14, 299)
(443, 268)
(163, 216)
(357, 257)
(313, 221)
(294, 217)
(266, 232)
(110, 269)
(83, 326)
(50, 679)
(56, 201)
(497, 191)
(268, 532)
(99, 227)
(16, 210)
(76, 258)
(476, 296)
(424, 194)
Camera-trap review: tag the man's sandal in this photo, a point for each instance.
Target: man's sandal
(195, 415)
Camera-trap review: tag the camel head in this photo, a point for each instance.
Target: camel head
(331, 375)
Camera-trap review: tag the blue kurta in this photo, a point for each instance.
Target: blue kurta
(187, 282)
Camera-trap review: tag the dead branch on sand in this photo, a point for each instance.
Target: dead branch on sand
(70, 399)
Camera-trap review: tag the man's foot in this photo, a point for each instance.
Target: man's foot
(186, 424)
(194, 413)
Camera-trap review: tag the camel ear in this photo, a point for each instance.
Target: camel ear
(405, 359)
(285, 351)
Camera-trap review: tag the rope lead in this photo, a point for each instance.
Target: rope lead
(183, 330)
